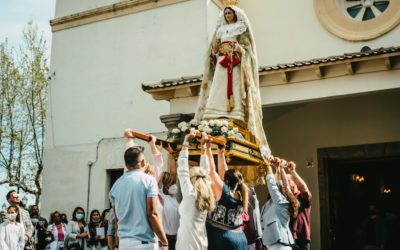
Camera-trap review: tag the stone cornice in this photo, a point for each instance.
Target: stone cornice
(107, 12)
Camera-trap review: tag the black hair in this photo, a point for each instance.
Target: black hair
(66, 218)
(74, 214)
(91, 214)
(9, 193)
(31, 209)
(132, 156)
(233, 11)
(235, 181)
(103, 214)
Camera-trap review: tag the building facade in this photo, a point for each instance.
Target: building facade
(325, 102)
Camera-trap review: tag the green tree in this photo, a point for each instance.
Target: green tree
(24, 78)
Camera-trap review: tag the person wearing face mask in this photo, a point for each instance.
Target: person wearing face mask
(58, 232)
(96, 232)
(40, 225)
(24, 217)
(12, 233)
(76, 231)
(170, 205)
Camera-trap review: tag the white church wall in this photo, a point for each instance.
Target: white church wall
(96, 92)
(288, 31)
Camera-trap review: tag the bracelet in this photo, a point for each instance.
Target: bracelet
(185, 144)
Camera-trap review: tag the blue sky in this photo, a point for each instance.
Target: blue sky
(14, 15)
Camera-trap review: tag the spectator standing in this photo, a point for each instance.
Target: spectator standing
(76, 230)
(64, 219)
(11, 232)
(24, 218)
(97, 235)
(58, 232)
(40, 224)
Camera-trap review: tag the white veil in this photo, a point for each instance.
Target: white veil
(249, 69)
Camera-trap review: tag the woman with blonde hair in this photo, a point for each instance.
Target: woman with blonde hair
(197, 200)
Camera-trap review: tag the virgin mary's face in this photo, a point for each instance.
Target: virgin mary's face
(229, 16)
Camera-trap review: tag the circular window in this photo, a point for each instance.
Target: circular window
(364, 10)
(358, 19)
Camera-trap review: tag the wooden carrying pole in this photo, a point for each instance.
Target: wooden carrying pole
(147, 138)
(213, 139)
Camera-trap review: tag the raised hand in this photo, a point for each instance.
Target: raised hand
(204, 138)
(291, 166)
(190, 135)
(128, 133)
(153, 140)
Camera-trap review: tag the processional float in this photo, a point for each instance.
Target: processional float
(229, 105)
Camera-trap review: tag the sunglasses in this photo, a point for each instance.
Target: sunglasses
(138, 148)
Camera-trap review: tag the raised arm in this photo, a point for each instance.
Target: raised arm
(171, 161)
(300, 183)
(216, 181)
(204, 162)
(282, 173)
(183, 166)
(222, 166)
(158, 161)
(273, 189)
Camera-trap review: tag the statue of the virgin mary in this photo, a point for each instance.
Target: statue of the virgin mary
(230, 87)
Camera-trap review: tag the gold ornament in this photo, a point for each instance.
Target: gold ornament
(231, 2)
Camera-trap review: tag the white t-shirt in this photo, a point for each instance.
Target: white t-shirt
(12, 236)
(170, 214)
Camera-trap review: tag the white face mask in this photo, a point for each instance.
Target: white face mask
(34, 221)
(173, 189)
(11, 217)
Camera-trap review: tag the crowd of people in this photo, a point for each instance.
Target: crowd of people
(188, 207)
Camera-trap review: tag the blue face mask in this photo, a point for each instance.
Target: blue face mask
(79, 216)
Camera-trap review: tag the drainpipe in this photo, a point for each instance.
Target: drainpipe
(90, 164)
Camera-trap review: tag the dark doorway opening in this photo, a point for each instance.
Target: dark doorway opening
(350, 179)
(113, 175)
(355, 185)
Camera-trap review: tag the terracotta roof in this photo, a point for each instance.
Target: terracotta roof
(172, 82)
(291, 66)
